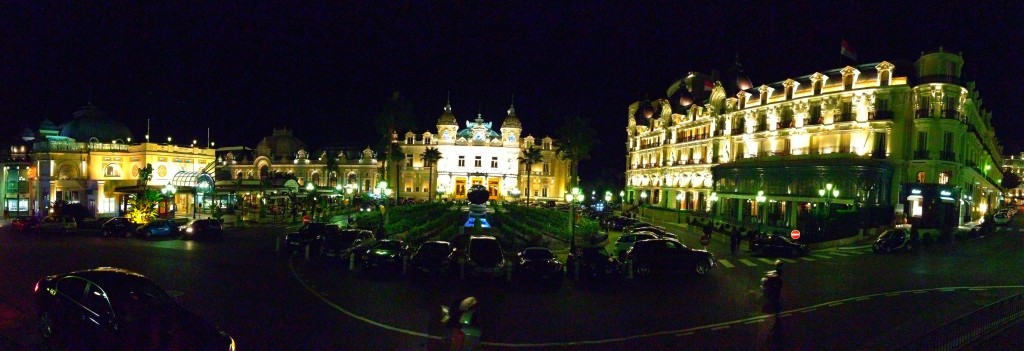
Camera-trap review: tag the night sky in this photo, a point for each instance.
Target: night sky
(325, 70)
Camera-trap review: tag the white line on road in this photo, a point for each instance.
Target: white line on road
(765, 260)
(726, 263)
(818, 255)
(787, 260)
(977, 289)
(838, 254)
(755, 321)
(685, 334)
(807, 259)
(720, 328)
(748, 263)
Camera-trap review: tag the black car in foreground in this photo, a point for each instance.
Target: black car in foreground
(483, 257)
(661, 232)
(337, 243)
(893, 240)
(202, 229)
(777, 245)
(433, 257)
(386, 255)
(116, 309)
(539, 263)
(120, 226)
(594, 263)
(298, 240)
(648, 257)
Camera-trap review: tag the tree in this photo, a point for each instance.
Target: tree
(397, 114)
(530, 157)
(331, 167)
(430, 156)
(578, 138)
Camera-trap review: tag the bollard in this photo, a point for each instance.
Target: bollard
(508, 274)
(629, 269)
(351, 261)
(307, 252)
(462, 271)
(576, 269)
(277, 244)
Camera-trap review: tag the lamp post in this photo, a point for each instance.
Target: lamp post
(714, 200)
(573, 198)
(309, 193)
(760, 198)
(830, 192)
(169, 191)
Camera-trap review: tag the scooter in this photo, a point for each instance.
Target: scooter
(771, 286)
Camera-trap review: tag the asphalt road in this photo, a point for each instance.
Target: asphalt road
(832, 299)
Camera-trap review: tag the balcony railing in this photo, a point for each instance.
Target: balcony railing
(939, 78)
(947, 156)
(844, 117)
(814, 120)
(880, 115)
(922, 113)
(921, 155)
(951, 114)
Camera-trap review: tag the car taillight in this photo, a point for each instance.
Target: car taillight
(36, 289)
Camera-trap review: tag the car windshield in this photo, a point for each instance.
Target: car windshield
(485, 247)
(538, 254)
(140, 299)
(389, 245)
(434, 249)
(315, 226)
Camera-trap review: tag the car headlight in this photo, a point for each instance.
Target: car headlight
(188, 230)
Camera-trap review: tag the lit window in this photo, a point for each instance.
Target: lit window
(920, 177)
(943, 177)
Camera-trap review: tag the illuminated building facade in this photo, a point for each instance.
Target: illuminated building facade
(907, 142)
(93, 161)
(1014, 164)
(479, 154)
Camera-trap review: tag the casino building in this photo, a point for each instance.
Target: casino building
(843, 149)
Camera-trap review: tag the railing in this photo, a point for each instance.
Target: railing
(947, 156)
(536, 173)
(77, 146)
(844, 117)
(814, 120)
(921, 113)
(951, 114)
(921, 155)
(939, 78)
(880, 115)
(971, 327)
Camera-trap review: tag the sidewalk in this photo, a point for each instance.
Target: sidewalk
(690, 235)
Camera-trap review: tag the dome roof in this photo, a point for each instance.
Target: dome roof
(511, 121)
(281, 144)
(447, 118)
(90, 122)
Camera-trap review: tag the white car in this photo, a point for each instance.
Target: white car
(1001, 218)
(58, 225)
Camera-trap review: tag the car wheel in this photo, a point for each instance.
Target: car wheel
(46, 325)
(795, 252)
(703, 267)
(643, 269)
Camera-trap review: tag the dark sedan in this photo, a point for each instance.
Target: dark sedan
(651, 256)
(341, 244)
(202, 229)
(434, 258)
(116, 309)
(594, 263)
(777, 245)
(656, 230)
(539, 263)
(25, 224)
(386, 255)
(298, 240)
(120, 226)
(620, 222)
(159, 228)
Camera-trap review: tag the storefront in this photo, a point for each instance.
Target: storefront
(930, 205)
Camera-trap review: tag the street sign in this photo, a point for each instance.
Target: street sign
(795, 234)
(705, 240)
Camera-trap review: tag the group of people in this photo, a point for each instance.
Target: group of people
(735, 236)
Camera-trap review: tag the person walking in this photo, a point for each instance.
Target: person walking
(734, 240)
(708, 229)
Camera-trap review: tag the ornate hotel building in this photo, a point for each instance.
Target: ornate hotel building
(479, 154)
(898, 141)
(1015, 164)
(93, 161)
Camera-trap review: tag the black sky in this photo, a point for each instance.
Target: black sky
(325, 69)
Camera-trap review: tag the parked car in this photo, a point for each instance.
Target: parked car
(342, 243)
(25, 224)
(433, 257)
(202, 229)
(298, 240)
(634, 225)
(116, 309)
(656, 230)
(385, 255)
(1001, 218)
(776, 245)
(483, 257)
(893, 240)
(594, 263)
(626, 241)
(539, 263)
(58, 224)
(648, 257)
(620, 222)
(121, 226)
(158, 228)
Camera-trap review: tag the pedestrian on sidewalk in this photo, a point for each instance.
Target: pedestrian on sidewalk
(708, 229)
(734, 240)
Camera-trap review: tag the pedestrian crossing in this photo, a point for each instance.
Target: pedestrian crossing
(812, 257)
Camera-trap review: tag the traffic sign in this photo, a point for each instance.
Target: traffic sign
(705, 240)
(795, 234)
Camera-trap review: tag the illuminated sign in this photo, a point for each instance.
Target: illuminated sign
(945, 193)
(915, 191)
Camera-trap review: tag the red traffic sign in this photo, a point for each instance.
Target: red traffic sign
(795, 234)
(705, 240)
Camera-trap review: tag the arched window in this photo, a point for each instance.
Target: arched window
(238, 175)
(315, 178)
(920, 177)
(264, 171)
(944, 177)
(112, 170)
(67, 172)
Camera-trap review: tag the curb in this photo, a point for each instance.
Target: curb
(855, 247)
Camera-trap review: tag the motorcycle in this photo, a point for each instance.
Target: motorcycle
(771, 286)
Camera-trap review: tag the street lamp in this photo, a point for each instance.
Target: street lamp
(169, 191)
(714, 199)
(830, 192)
(679, 201)
(760, 198)
(643, 197)
(573, 198)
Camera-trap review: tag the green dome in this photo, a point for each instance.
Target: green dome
(90, 122)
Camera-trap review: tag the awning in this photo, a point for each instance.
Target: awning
(197, 181)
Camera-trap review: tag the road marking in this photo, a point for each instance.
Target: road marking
(748, 263)
(919, 292)
(755, 321)
(785, 315)
(838, 253)
(821, 256)
(765, 260)
(807, 259)
(862, 298)
(948, 290)
(726, 263)
(977, 289)
(787, 260)
(563, 344)
(834, 304)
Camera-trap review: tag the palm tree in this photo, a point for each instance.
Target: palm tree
(331, 166)
(530, 157)
(397, 114)
(430, 156)
(578, 138)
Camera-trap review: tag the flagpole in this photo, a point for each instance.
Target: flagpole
(207, 137)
